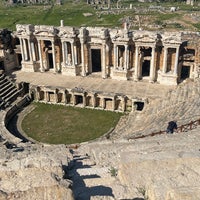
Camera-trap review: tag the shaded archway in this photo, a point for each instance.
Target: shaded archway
(185, 72)
(146, 68)
(96, 60)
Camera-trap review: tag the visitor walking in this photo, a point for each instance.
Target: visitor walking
(172, 125)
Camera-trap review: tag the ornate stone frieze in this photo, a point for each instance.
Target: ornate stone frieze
(146, 36)
(67, 32)
(24, 29)
(172, 38)
(45, 30)
(98, 32)
(120, 35)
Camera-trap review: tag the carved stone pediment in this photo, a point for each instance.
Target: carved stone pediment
(24, 29)
(146, 36)
(67, 32)
(172, 38)
(43, 30)
(120, 34)
(98, 32)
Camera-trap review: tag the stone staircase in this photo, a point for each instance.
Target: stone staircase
(91, 181)
(164, 164)
(181, 104)
(8, 91)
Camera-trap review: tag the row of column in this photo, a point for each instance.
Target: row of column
(29, 51)
(152, 62)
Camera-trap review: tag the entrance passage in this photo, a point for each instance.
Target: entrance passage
(19, 56)
(146, 68)
(1, 65)
(50, 60)
(96, 60)
(139, 105)
(185, 72)
(79, 99)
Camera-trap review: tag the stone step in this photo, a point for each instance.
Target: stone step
(5, 86)
(3, 83)
(12, 97)
(100, 181)
(10, 94)
(99, 171)
(2, 76)
(7, 90)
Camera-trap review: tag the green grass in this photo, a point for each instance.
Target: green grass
(56, 124)
(72, 12)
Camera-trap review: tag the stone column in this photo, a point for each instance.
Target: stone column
(63, 53)
(83, 59)
(84, 100)
(33, 51)
(25, 49)
(75, 54)
(103, 104)
(176, 61)
(65, 96)
(115, 57)
(37, 96)
(47, 96)
(94, 101)
(22, 49)
(133, 107)
(113, 103)
(165, 60)
(152, 66)
(136, 63)
(56, 96)
(66, 53)
(126, 57)
(73, 99)
(40, 56)
(103, 60)
(54, 56)
(30, 50)
(123, 104)
(72, 50)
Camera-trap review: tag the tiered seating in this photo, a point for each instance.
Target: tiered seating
(149, 161)
(182, 104)
(8, 91)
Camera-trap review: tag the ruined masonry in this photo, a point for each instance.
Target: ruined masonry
(166, 58)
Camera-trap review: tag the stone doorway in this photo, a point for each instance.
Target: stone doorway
(50, 60)
(185, 72)
(79, 99)
(1, 65)
(19, 57)
(146, 68)
(139, 105)
(96, 60)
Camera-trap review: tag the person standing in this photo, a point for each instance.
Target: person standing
(172, 125)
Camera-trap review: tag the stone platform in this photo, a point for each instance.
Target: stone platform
(141, 89)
